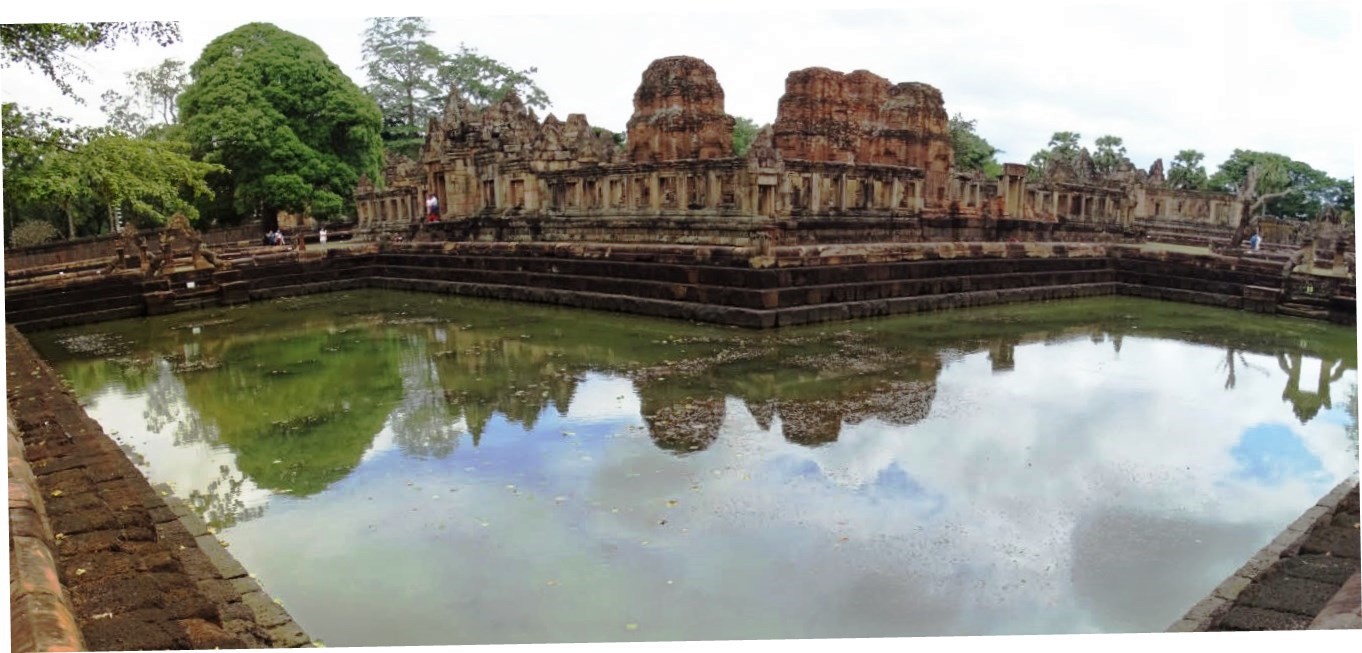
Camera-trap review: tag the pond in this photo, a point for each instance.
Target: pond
(404, 469)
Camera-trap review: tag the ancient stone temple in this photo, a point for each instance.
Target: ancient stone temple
(853, 145)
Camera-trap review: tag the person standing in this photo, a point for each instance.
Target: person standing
(322, 236)
(432, 208)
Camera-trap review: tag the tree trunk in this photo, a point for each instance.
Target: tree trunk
(1241, 231)
(70, 223)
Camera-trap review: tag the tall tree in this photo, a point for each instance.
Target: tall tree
(1061, 153)
(972, 152)
(484, 80)
(403, 70)
(150, 109)
(45, 46)
(1186, 171)
(1110, 155)
(744, 131)
(411, 79)
(295, 132)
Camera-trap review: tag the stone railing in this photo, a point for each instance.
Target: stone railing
(41, 618)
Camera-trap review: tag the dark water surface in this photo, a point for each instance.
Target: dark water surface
(402, 468)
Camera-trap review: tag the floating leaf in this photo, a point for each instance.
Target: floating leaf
(631, 626)
(56, 493)
(671, 503)
(80, 572)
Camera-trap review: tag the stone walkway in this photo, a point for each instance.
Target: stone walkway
(1307, 578)
(138, 570)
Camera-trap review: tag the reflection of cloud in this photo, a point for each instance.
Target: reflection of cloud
(1271, 454)
(602, 397)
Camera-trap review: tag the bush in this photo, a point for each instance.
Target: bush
(32, 232)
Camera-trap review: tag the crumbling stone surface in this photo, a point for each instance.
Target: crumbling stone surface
(862, 118)
(679, 113)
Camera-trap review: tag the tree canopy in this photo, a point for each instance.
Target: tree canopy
(83, 177)
(45, 46)
(152, 108)
(1298, 190)
(295, 132)
(972, 152)
(1186, 171)
(411, 79)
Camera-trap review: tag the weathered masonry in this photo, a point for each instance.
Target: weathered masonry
(841, 145)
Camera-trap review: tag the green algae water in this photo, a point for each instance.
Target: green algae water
(403, 468)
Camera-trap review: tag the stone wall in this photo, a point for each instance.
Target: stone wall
(103, 247)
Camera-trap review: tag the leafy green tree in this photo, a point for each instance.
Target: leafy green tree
(972, 152)
(411, 79)
(295, 132)
(1186, 171)
(744, 132)
(32, 141)
(1061, 153)
(45, 46)
(1110, 155)
(1293, 189)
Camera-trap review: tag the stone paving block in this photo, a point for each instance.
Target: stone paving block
(122, 633)
(1207, 608)
(1232, 587)
(217, 590)
(194, 524)
(267, 612)
(1247, 618)
(1321, 568)
(83, 522)
(204, 635)
(288, 635)
(1334, 541)
(226, 564)
(1288, 594)
(245, 585)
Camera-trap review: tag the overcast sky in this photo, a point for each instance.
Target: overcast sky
(1164, 76)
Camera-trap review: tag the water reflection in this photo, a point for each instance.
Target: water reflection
(1014, 470)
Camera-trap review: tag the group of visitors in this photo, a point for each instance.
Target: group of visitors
(275, 237)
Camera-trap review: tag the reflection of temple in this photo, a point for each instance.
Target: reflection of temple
(841, 144)
(1307, 403)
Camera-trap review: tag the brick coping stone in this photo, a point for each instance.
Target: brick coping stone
(101, 559)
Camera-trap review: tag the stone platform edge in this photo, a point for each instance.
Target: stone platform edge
(40, 616)
(1205, 613)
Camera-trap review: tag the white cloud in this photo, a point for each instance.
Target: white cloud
(1212, 76)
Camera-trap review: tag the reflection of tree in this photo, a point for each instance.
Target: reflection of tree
(1305, 403)
(299, 409)
(220, 503)
(1231, 355)
(423, 424)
